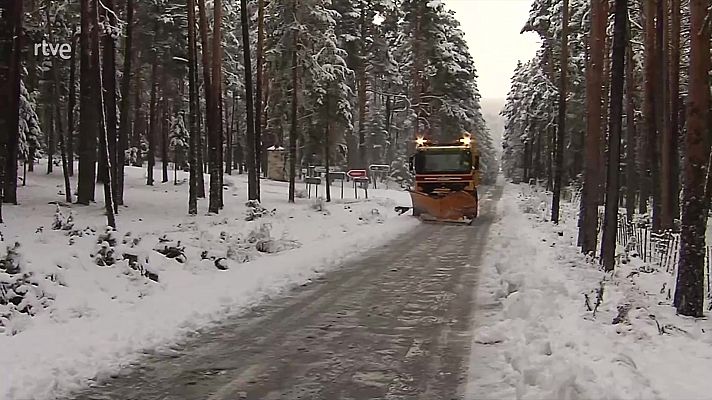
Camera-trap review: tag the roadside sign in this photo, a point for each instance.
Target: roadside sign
(380, 172)
(313, 181)
(357, 173)
(380, 167)
(337, 176)
(363, 180)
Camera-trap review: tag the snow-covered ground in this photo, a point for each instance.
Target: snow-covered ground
(535, 337)
(91, 320)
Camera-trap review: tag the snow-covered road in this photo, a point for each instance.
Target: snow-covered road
(392, 325)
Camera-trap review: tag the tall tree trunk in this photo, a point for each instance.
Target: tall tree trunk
(251, 141)
(674, 105)
(631, 136)
(259, 109)
(561, 124)
(211, 124)
(88, 113)
(72, 102)
(151, 135)
(50, 137)
(663, 116)
(11, 35)
(293, 130)
(361, 85)
(124, 121)
(588, 229)
(199, 126)
(194, 107)
(15, 42)
(327, 147)
(166, 113)
(652, 142)
(109, 82)
(229, 153)
(57, 92)
(139, 123)
(610, 222)
(103, 135)
(689, 291)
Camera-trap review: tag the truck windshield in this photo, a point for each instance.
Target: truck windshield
(443, 161)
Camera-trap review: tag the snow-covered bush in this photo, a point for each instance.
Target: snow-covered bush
(62, 223)
(320, 205)
(171, 249)
(21, 295)
(104, 253)
(180, 138)
(371, 216)
(255, 210)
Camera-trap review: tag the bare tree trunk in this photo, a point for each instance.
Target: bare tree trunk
(561, 126)
(151, 135)
(194, 147)
(689, 291)
(588, 230)
(631, 136)
(327, 148)
(103, 135)
(72, 101)
(663, 117)
(199, 126)
(674, 106)
(88, 115)
(251, 141)
(109, 82)
(259, 109)
(361, 85)
(229, 154)
(293, 130)
(11, 35)
(164, 134)
(57, 92)
(653, 140)
(610, 222)
(124, 121)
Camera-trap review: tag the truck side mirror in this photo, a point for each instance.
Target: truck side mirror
(477, 162)
(410, 163)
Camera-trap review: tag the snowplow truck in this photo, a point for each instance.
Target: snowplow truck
(446, 180)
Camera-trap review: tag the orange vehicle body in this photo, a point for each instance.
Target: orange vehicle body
(446, 180)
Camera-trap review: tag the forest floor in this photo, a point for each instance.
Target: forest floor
(537, 336)
(90, 320)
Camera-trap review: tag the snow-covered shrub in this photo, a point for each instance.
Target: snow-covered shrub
(104, 253)
(300, 194)
(320, 205)
(265, 243)
(170, 249)
(371, 216)
(62, 223)
(255, 210)
(20, 293)
(136, 258)
(276, 245)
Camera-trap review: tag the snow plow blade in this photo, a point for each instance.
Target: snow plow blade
(453, 207)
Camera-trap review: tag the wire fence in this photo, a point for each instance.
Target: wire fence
(656, 249)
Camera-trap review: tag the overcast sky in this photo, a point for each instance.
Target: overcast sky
(492, 31)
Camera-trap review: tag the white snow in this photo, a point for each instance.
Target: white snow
(534, 337)
(102, 318)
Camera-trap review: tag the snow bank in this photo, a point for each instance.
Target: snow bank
(536, 336)
(101, 318)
